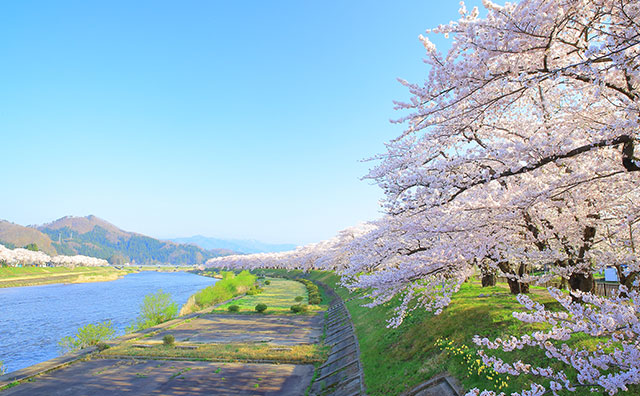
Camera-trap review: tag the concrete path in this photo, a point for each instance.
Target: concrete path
(106, 377)
(144, 376)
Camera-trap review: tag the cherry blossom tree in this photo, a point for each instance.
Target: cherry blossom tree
(13, 257)
(519, 152)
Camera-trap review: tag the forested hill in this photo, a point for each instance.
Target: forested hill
(95, 237)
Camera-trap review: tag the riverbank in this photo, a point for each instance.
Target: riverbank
(231, 353)
(35, 276)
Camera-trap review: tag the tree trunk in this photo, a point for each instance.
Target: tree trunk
(583, 282)
(626, 280)
(515, 286)
(488, 279)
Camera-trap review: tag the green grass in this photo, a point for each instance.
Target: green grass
(247, 352)
(19, 272)
(27, 276)
(279, 296)
(396, 360)
(231, 285)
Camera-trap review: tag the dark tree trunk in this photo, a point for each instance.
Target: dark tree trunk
(515, 286)
(626, 280)
(488, 279)
(583, 282)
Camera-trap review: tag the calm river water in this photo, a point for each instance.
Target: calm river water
(33, 319)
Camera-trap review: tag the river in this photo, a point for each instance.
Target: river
(33, 319)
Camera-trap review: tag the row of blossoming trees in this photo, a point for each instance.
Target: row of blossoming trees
(519, 159)
(15, 257)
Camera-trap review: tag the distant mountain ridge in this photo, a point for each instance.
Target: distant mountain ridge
(95, 237)
(239, 245)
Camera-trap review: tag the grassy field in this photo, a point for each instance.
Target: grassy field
(29, 276)
(279, 296)
(295, 354)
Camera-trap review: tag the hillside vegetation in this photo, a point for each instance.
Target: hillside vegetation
(14, 235)
(92, 236)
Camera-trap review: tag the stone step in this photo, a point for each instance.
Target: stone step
(337, 335)
(335, 330)
(344, 359)
(347, 338)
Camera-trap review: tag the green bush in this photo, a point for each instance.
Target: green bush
(261, 308)
(168, 340)
(267, 282)
(225, 289)
(299, 298)
(88, 335)
(2, 369)
(299, 308)
(102, 346)
(233, 308)
(156, 308)
(254, 290)
(313, 291)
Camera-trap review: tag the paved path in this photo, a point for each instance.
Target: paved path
(146, 376)
(107, 377)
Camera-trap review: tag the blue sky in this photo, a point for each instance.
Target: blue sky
(223, 118)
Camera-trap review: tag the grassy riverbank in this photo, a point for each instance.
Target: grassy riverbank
(426, 345)
(31, 276)
(230, 286)
(279, 295)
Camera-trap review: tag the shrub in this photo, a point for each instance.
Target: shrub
(299, 298)
(299, 308)
(254, 290)
(261, 308)
(233, 308)
(156, 308)
(267, 282)
(2, 369)
(102, 346)
(168, 340)
(312, 290)
(228, 287)
(88, 335)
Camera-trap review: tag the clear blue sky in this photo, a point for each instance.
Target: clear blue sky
(241, 119)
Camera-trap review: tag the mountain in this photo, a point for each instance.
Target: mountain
(95, 237)
(15, 236)
(238, 245)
